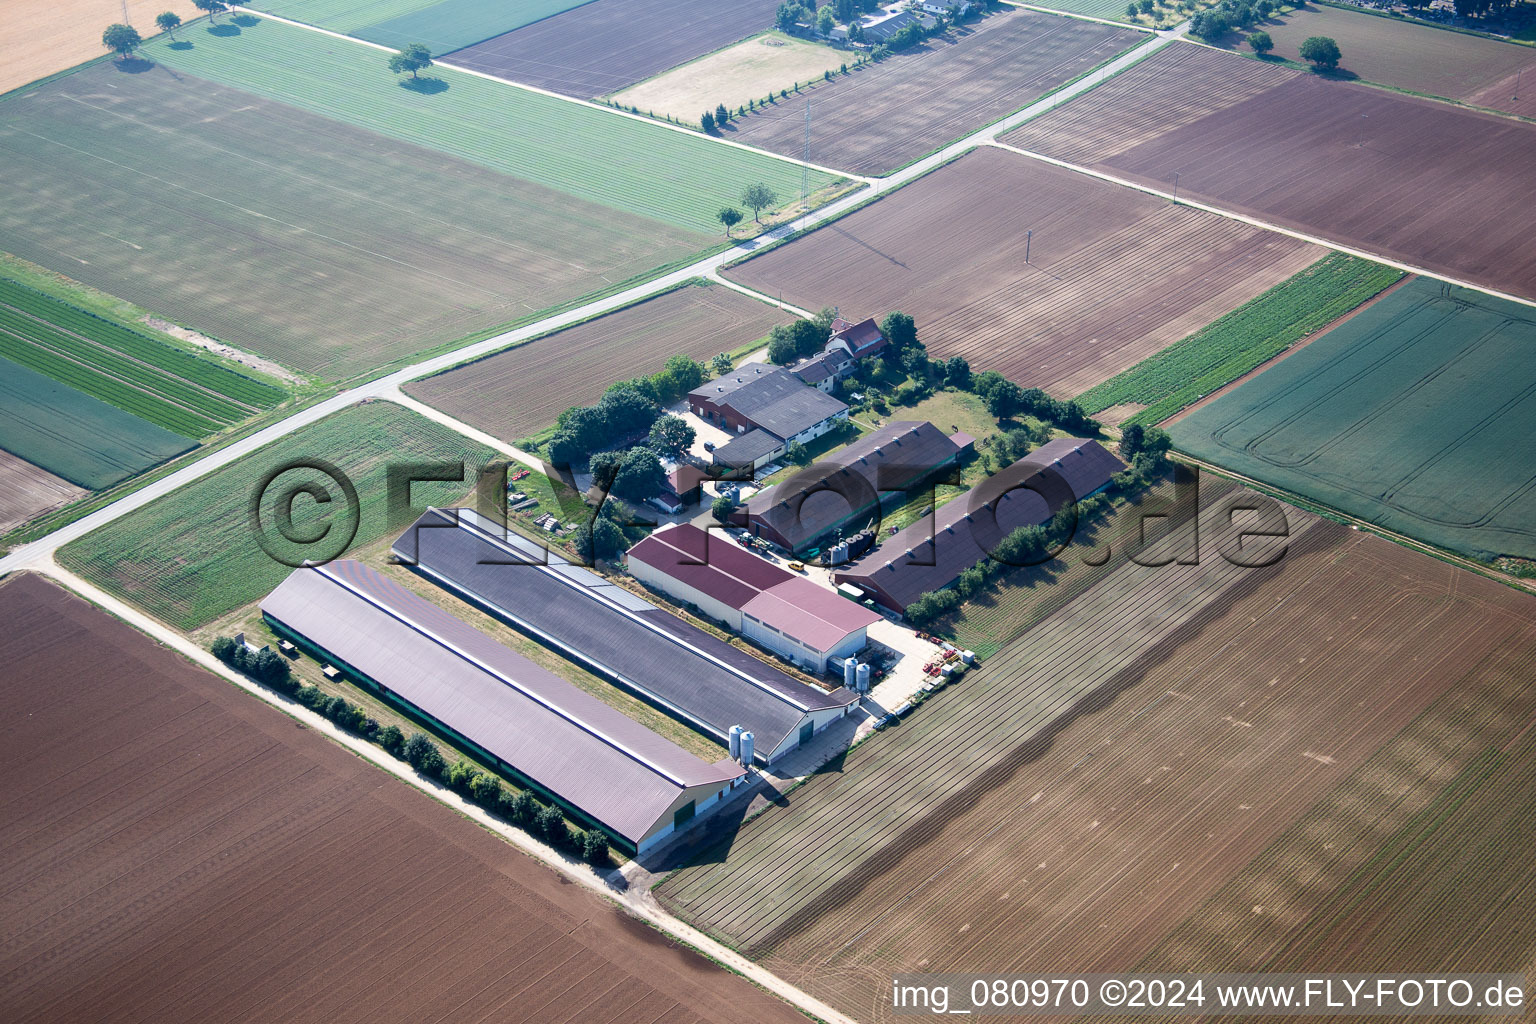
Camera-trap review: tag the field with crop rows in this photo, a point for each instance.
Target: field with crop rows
(888, 114)
(326, 248)
(194, 555)
(1412, 55)
(599, 156)
(594, 49)
(520, 391)
(1054, 812)
(1409, 415)
(168, 387)
(1223, 351)
(176, 850)
(1333, 159)
(1114, 275)
(70, 434)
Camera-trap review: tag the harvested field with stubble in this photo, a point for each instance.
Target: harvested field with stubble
(1415, 56)
(1329, 158)
(888, 114)
(328, 248)
(1114, 275)
(27, 491)
(1101, 779)
(596, 49)
(43, 37)
(174, 850)
(520, 391)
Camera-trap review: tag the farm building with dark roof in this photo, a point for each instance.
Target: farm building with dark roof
(617, 634)
(850, 485)
(767, 399)
(604, 768)
(931, 554)
(786, 613)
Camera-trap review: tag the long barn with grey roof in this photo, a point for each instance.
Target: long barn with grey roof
(931, 554)
(617, 634)
(605, 768)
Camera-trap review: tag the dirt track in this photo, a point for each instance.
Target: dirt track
(176, 851)
(1328, 158)
(1114, 275)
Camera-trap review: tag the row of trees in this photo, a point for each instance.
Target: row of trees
(518, 808)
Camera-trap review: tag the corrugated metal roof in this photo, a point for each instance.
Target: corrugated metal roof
(741, 580)
(932, 552)
(746, 449)
(575, 746)
(773, 399)
(893, 458)
(651, 650)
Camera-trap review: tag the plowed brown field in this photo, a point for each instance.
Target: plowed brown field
(1114, 275)
(886, 115)
(1180, 719)
(173, 850)
(522, 390)
(602, 47)
(27, 491)
(1330, 158)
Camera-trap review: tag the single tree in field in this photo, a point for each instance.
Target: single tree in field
(730, 217)
(1260, 42)
(1322, 52)
(413, 57)
(722, 115)
(123, 39)
(758, 197)
(212, 8)
(169, 22)
(707, 122)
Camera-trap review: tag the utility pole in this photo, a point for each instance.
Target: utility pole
(1029, 236)
(1175, 186)
(805, 164)
(1516, 96)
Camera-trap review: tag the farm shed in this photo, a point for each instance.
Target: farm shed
(766, 399)
(931, 554)
(850, 484)
(624, 638)
(527, 722)
(784, 612)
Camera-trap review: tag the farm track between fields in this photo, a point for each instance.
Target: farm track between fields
(1114, 275)
(522, 390)
(1320, 157)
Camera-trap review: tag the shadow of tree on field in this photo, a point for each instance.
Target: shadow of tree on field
(425, 86)
(224, 30)
(133, 65)
(180, 44)
(1336, 75)
(247, 20)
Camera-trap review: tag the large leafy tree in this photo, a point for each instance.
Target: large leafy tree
(413, 57)
(121, 39)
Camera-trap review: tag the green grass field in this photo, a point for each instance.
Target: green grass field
(193, 556)
(167, 386)
(1417, 414)
(444, 25)
(1223, 351)
(80, 438)
(327, 248)
(678, 178)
